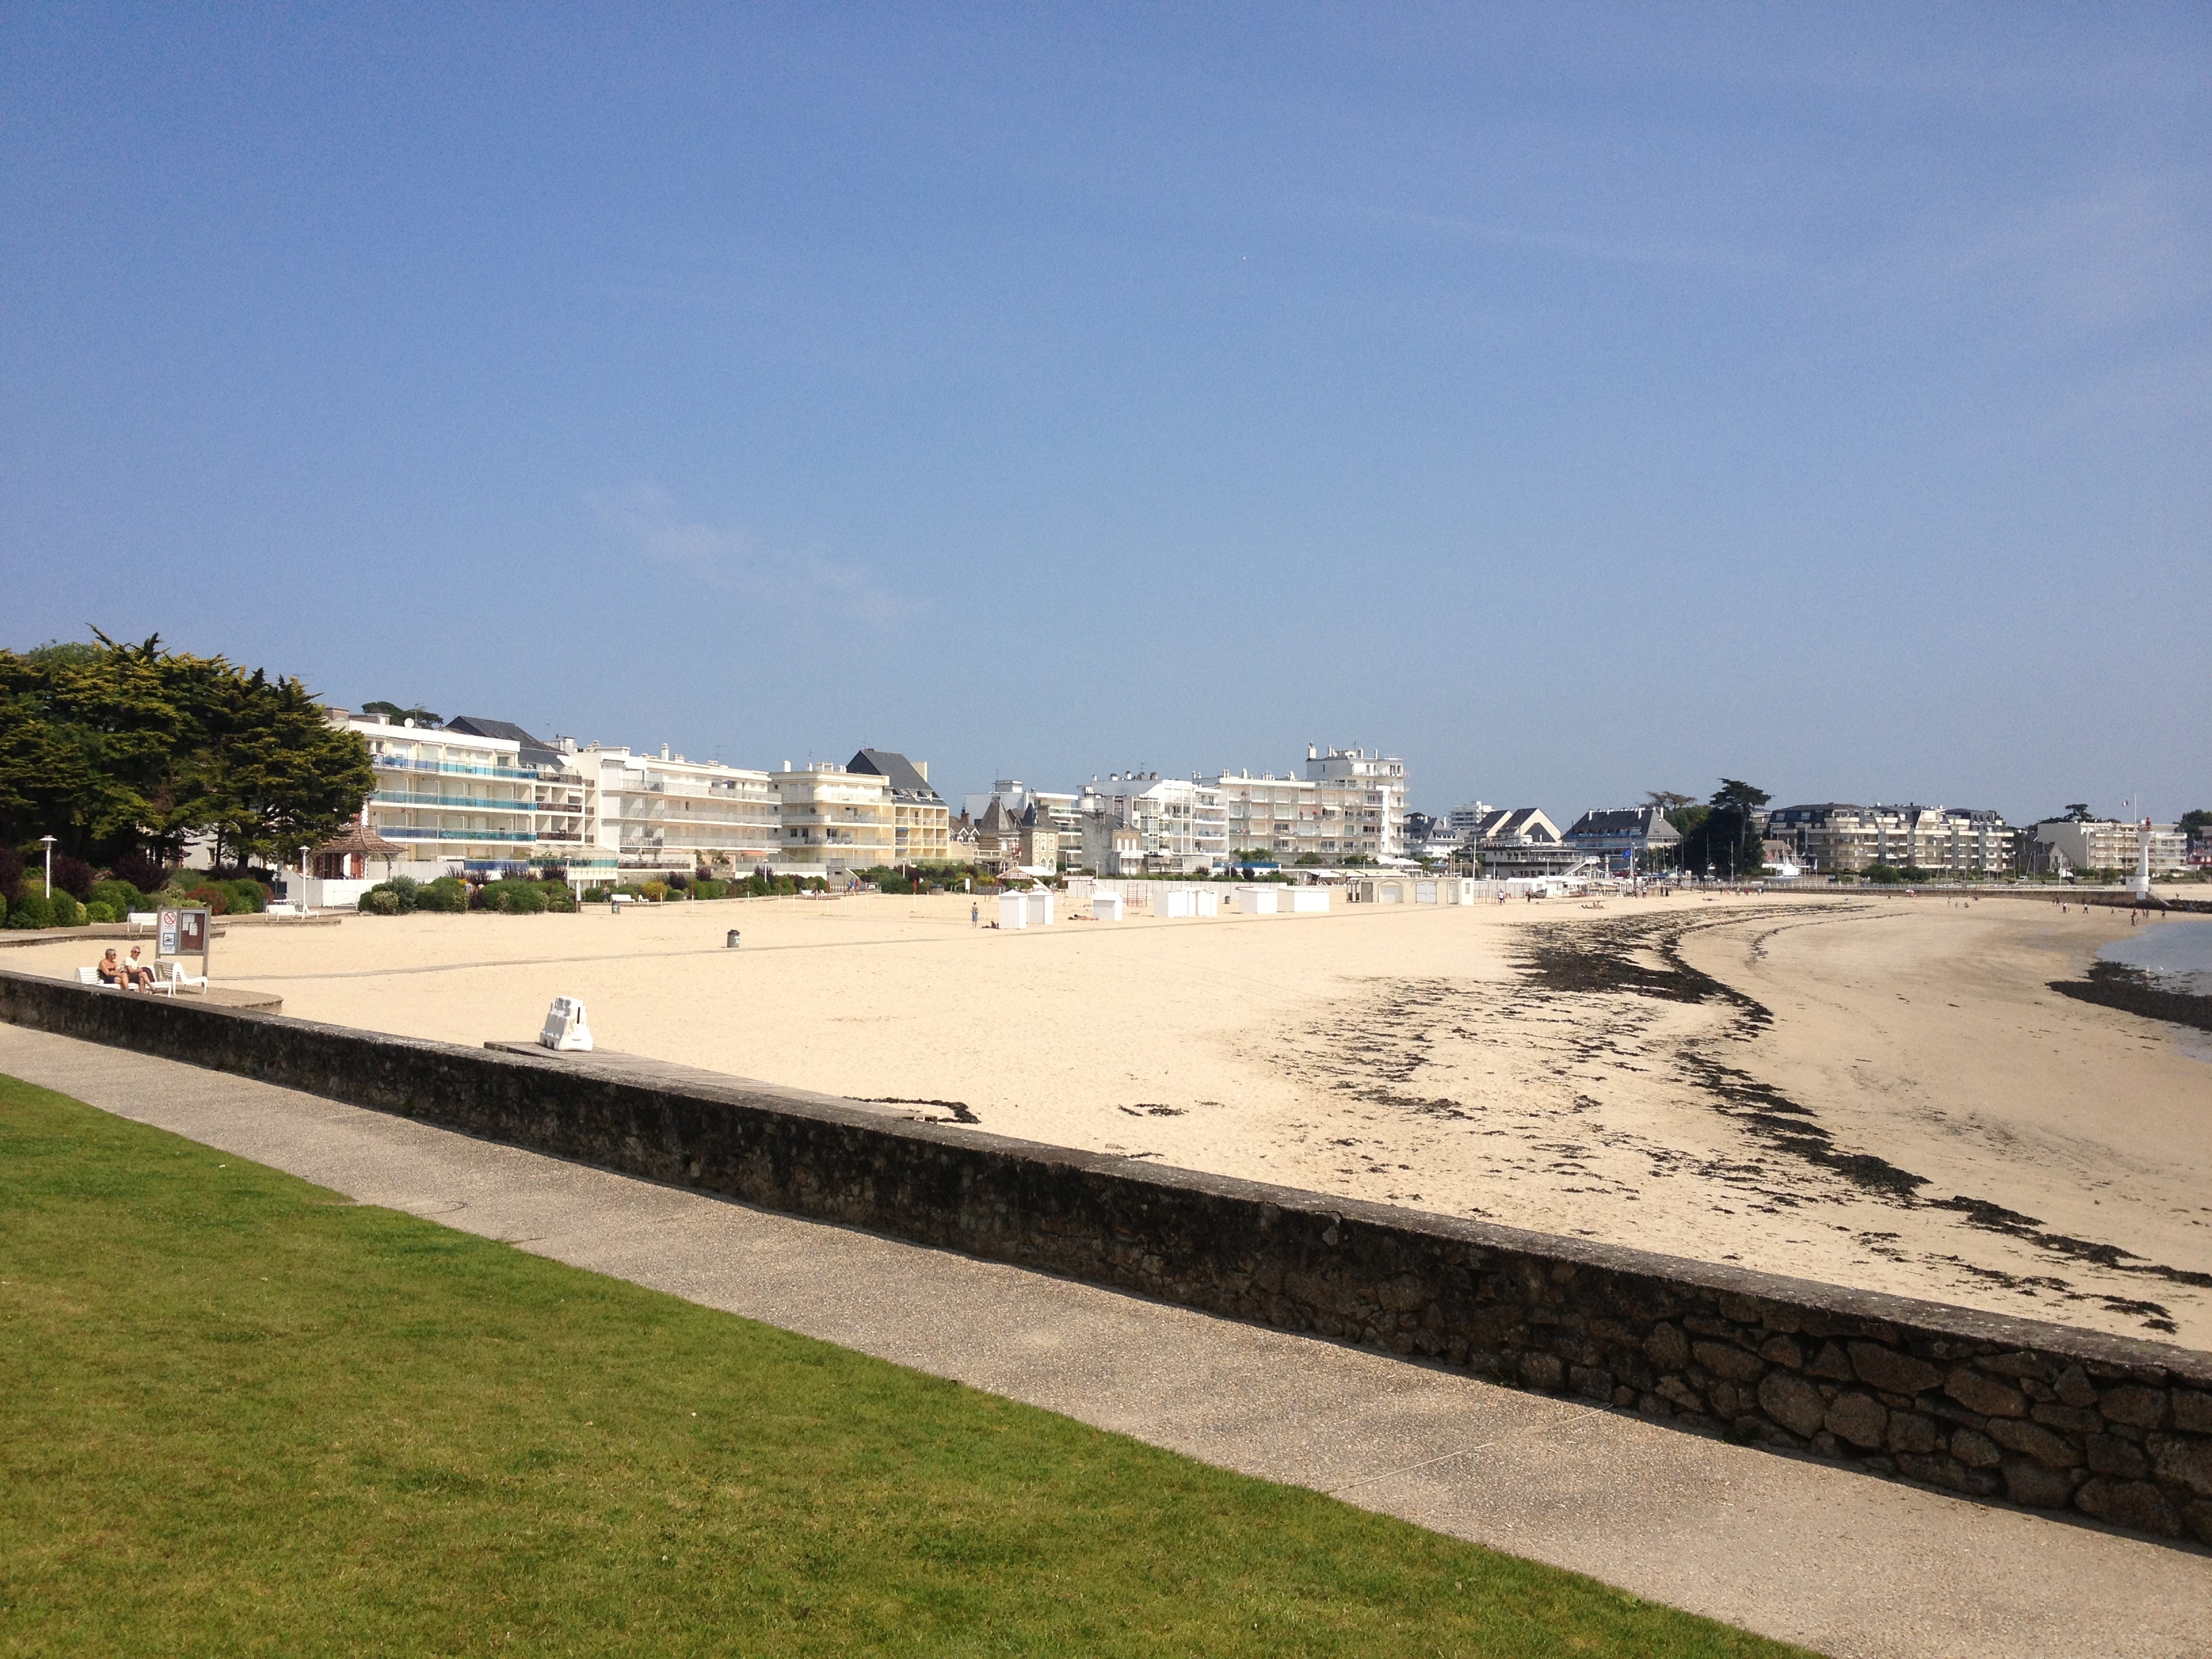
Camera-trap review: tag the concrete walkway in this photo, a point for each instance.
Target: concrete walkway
(1838, 1562)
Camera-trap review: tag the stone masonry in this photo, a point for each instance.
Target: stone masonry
(2042, 1415)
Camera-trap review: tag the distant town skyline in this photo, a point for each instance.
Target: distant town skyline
(1575, 403)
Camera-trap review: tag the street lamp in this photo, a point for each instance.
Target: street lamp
(49, 841)
(303, 878)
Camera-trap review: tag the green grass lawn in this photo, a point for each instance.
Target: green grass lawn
(241, 1415)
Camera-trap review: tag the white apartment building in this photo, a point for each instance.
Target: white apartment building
(833, 821)
(1467, 821)
(1363, 801)
(921, 824)
(2108, 844)
(457, 799)
(1349, 804)
(1279, 816)
(1180, 823)
(665, 813)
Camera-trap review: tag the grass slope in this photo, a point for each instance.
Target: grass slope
(243, 1416)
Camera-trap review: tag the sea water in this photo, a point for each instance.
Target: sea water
(2175, 956)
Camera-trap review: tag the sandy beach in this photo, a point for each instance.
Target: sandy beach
(1875, 1091)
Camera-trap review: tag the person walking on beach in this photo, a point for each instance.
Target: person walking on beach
(975, 915)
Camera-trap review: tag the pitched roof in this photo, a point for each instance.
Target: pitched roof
(358, 837)
(1645, 821)
(893, 767)
(535, 752)
(1527, 821)
(994, 821)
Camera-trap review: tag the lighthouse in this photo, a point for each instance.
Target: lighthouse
(2140, 885)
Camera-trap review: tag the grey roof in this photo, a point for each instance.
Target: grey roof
(894, 768)
(534, 752)
(1649, 822)
(1516, 821)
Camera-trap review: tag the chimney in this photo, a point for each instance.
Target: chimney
(922, 766)
(663, 752)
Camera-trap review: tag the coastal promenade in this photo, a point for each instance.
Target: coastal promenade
(1796, 1550)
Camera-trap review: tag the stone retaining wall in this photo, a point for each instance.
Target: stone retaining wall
(2045, 1415)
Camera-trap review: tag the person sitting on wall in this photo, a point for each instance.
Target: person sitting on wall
(112, 972)
(140, 975)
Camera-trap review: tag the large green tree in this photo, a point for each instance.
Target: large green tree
(112, 748)
(1725, 835)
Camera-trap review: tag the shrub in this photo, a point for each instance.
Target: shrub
(655, 892)
(73, 876)
(246, 897)
(64, 910)
(680, 883)
(446, 896)
(209, 897)
(28, 909)
(142, 870)
(560, 897)
(400, 896)
(11, 875)
(97, 912)
(597, 895)
(120, 896)
(512, 898)
(705, 888)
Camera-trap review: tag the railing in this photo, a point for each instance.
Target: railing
(401, 764)
(411, 832)
(460, 803)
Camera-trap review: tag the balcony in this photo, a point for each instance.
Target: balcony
(448, 768)
(412, 832)
(455, 803)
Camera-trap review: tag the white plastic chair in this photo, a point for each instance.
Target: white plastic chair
(172, 977)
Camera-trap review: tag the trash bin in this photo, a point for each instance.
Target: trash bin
(730, 943)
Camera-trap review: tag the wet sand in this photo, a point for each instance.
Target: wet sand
(1873, 1091)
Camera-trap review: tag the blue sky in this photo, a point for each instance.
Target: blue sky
(1575, 400)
